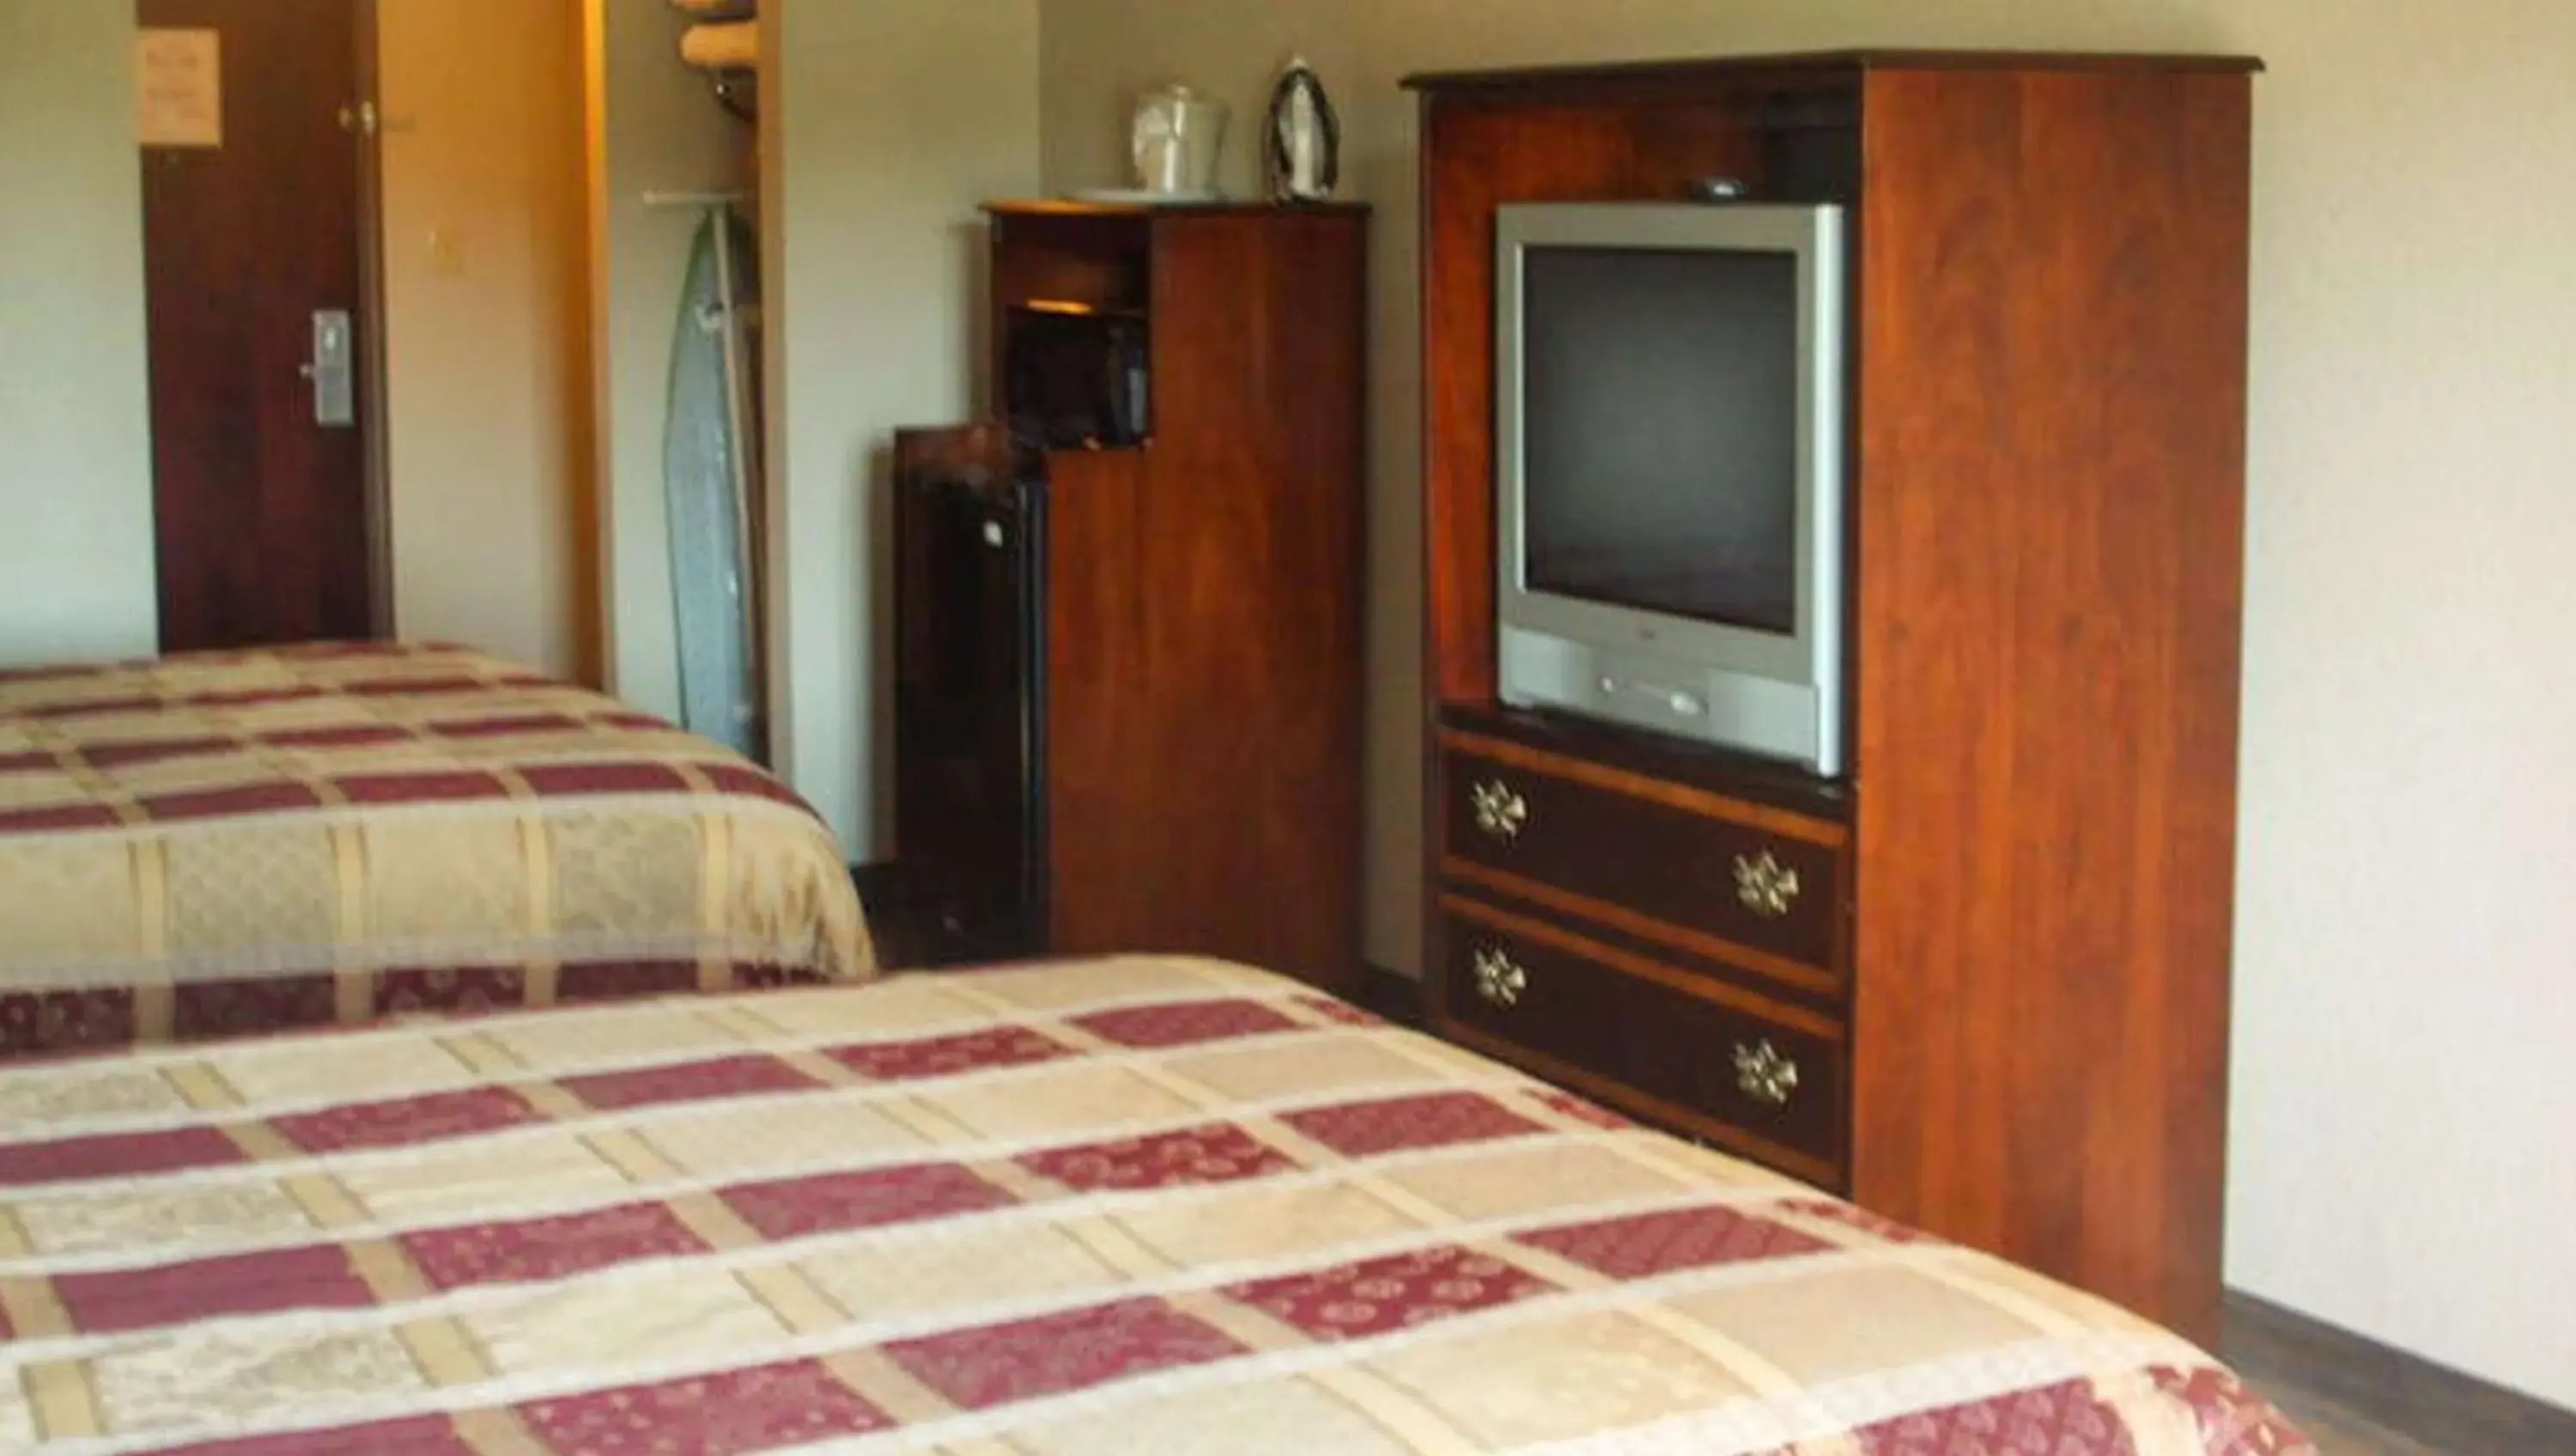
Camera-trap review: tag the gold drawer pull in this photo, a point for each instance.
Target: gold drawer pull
(1500, 980)
(1500, 810)
(1764, 1075)
(1765, 886)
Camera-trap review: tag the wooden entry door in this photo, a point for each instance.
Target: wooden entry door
(256, 220)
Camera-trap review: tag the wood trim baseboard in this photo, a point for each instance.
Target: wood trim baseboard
(2439, 1407)
(875, 881)
(1391, 994)
(1382, 990)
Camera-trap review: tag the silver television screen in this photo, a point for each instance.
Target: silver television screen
(1660, 410)
(1668, 478)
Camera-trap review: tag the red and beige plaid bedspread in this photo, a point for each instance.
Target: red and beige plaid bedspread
(244, 841)
(1146, 1205)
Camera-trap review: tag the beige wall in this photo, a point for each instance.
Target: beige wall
(488, 340)
(2404, 1092)
(885, 124)
(654, 127)
(489, 440)
(76, 575)
(1232, 51)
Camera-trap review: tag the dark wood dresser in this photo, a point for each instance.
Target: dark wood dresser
(1642, 923)
(1980, 982)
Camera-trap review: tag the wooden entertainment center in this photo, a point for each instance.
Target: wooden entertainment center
(1981, 981)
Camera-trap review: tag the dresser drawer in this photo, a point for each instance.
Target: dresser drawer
(1767, 1081)
(1638, 851)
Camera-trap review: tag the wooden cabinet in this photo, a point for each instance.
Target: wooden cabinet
(1197, 372)
(1756, 1075)
(1691, 867)
(1648, 937)
(1981, 982)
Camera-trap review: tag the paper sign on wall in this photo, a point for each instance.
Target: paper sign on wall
(179, 75)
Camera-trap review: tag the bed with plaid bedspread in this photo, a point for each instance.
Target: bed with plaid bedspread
(1136, 1205)
(244, 841)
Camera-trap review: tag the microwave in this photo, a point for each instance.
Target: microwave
(1076, 379)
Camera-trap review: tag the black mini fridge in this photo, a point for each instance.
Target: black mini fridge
(970, 695)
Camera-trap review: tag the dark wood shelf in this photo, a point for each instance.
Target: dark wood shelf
(1067, 309)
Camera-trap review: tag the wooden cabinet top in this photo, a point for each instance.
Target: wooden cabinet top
(1714, 68)
(1224, 207)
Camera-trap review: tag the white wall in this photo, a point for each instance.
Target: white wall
(76, 574)
(888, 122)
(489, 433)
(487, 339)
(2405, 1093)
(654, 127)
(2405, 1126)
(884, 124)
(1231, 51)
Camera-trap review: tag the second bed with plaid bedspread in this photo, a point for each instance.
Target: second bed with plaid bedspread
(235, 842)
(1141, 1205)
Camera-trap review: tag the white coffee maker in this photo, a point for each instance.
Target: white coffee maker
(1177, 140)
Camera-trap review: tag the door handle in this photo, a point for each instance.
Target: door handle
(333, 369)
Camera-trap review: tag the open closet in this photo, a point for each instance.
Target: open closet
(678, 349)
(847, 147)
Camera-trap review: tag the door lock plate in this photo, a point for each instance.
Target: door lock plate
(333, 369)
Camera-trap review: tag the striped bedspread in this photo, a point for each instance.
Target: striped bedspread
(1141, 1205)
(245, 841)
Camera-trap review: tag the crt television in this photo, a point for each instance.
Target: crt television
(1669, 460)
